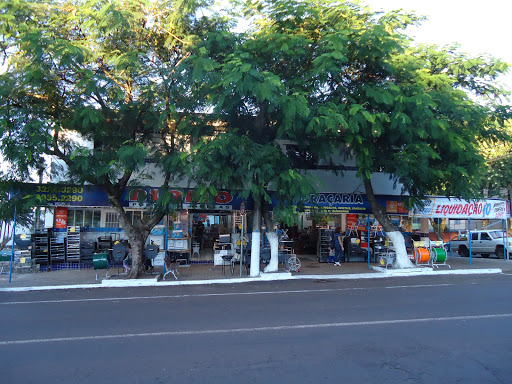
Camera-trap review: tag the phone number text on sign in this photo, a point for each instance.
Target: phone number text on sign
(59, 195)
(58, 189)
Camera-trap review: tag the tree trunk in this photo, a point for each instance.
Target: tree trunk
(137, 237)
(137, 242)
(256, 237)
(273, 239)
(402, 261)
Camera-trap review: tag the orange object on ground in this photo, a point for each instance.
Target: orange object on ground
(422, 255)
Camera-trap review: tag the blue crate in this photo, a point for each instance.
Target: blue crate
(63, 266)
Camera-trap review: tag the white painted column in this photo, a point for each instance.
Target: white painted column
(402, 260)
(273, 265)
(255, 253)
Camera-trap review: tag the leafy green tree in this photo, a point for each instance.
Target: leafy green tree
(102, 86)
(325, 71)
(13, 197)
(499, 168)
(419, 115)
(260, 171)
(259, 88)
(132, 76)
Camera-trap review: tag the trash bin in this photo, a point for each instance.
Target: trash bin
(100, 261)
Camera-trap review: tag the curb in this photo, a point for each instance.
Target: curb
(431, 272)
(277, 276)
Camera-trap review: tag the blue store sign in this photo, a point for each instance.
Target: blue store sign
(336, 203)
(139, 197)
(136, 197)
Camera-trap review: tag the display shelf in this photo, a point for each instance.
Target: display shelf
(180, 249)
(41, 248)
(73, 244)
(58, 248)
(104, 244)
(323, 249)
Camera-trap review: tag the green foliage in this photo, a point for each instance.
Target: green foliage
(498, 177)
(108, 73)
(150, 79)
(329, 74)
(101, 71)
(13, 196)
(103, 86)
(238, 162)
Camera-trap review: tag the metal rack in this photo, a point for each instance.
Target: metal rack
(41, 247)
(384, 253)
(180, 250)
(324, 236)
(105, 244)
(58, 248)
(73, 245)
(237, 220)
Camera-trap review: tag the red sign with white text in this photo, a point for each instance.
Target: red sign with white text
(61, 217)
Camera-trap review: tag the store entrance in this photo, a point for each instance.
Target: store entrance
(207, 227)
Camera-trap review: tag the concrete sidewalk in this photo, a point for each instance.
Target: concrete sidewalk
(207, 273)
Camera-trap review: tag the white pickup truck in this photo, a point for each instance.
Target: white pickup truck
(484, 243)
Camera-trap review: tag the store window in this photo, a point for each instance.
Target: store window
(71, 217)
(79, 217)
(92, 218)
(112, 220)
(84, 217)
(134, 217)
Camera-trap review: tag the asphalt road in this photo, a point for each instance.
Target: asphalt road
(414, 330)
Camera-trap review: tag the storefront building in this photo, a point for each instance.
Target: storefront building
(72, 210)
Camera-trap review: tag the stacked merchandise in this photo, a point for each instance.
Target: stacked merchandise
(352, 248)
(23, 262)
(323, 249)
(58, 248)
(380, 249)
(73, 245)
(364, 239)
(222, 250)
(105, 245)
(23, 241)
(40, 247)
(87, 250)
(179, 244)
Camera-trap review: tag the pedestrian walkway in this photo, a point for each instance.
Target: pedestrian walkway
(210, 274)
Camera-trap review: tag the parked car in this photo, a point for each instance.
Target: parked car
(484, 243)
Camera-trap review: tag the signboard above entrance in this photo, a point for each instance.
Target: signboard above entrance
(336, 203)
(134, 197)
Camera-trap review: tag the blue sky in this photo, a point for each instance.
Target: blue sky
(479, 27)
